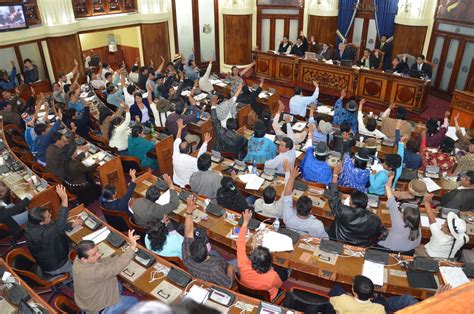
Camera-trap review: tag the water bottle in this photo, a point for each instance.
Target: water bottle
(152, 130)
(254, 167)
(276, 224)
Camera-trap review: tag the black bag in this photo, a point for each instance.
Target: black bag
(16, 293)
(179, 277)
(408, 174)
(215, 209)
(115, 240)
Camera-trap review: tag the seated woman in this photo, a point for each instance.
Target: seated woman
(405, 234)
(138, 147)
(118, 133)
(443, 158)
(435, 133)
(161, 240)
(78, 179)
(354, 171)
(379, 179)
(256, 272)
(230, 197)
(260, 148)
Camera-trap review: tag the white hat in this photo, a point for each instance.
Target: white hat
(456, 226)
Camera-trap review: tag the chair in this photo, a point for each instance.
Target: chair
(130, 162)
(24, 265)
(228, 155)
(345, 189)
(140, 229)
(65, 305)
(19, 141)
(307, 301)
(263, 295)
(6, 233)
(27, 159)
(38, 169)
(117, 219)
(99, 140)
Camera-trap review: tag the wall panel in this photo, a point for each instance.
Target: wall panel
(323, 28)
(237, 39)
(62, 51)
(408, 39)
(156, 40)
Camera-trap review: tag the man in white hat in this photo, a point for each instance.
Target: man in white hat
(447, 239)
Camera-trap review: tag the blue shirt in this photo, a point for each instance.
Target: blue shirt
(341, 115)
(317, 136)
(315, 170)
(299, 103)
(30, 137)
(114, 98)
(78, 105)
(171, 248)
(377, 182)
(353, 177)
(43, 141)
(10, 84)
(260, 149)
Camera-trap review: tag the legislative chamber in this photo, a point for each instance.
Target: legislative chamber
(236, 156)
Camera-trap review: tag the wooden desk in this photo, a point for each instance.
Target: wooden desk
(462, 103)
(7, 306)
(141, 284)
(376, 86)
(305, 263)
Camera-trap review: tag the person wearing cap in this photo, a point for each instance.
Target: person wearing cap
(446, 239)
(379, 179)
(436, 132)
(323, 130)
(389, 125)
(353, 223)
(363, 300)
(354, 171)
(260, 148)
(349, 113)
(405, 233)
(314, 166)
(300, 219)
(461, 198)
(7, 81)
(161, 110)
(299, 103)
(369, 128)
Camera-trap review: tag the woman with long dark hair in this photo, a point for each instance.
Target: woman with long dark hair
(161, 240)
(230, 197)
(405, 234)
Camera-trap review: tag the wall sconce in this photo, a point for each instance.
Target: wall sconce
(207, 29)
(406, 6)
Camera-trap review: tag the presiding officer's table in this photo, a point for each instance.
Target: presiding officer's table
(376, 86)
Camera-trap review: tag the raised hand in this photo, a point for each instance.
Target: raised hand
(207, 137)
(281, 106)
(133, 238)
(168, 180)
(338, 169)
(389, 182)
(428, 198)
(286, 165)
(247, 214)
(61, 191)
(133, 174)
(315, 84)
(343, 93)
(191, 204)
(180, 124)
(294, 172)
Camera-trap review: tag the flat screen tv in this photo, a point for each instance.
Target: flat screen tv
(12, 17)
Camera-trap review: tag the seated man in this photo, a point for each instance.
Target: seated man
(314, 166)
(353, 224)
(145, 209)
(75, 102)
(302, 219)
(282, 130)
(446, 240)
(14, 215)
(205, 182)
(347, 114)
(109, 199)
(44, 138)
(59, 152)
(369, 129)
(299, 103)
(344, 140)
(228, 139)
(389, 125)
(466, 162)
(47, 240)
(286, 151)
(300, 47)
(210, 268)
(172, 125)
(184, 165)
(96, 288)
(360, 301)
(8, 81)
(256, 272)
(422, 66)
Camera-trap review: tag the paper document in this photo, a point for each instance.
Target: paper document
(454, 276)
(98, 236)
(185, 93)
(298, 153)
(431, 186)
(164, 198)
(215, 81)
(299, 126)
(376, 167)
(373, 271)
(425, 222)
(197, 294)
(255, 183)
(452, 132)
(271, 137)
(277, 242)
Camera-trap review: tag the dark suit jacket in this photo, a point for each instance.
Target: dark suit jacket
(425, 68)
(346, 55)
(326, 54)
(299, 51)
(402, 67)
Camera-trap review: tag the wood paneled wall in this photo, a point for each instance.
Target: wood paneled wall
(155, 42)
(323, 28)
(62, 52)
(237, 39)
(408, 39)
(125, 53)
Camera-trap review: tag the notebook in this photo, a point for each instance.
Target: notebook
(421, 280)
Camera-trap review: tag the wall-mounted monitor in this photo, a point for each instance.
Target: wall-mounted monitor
(12, 17)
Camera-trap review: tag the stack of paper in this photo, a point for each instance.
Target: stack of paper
(277, 242)
(98, 236)
(431, 185)
(373, 271)
(164, 198)
(452, 132)
(253, 182)
(425, 222)
(200, 96)
(453, 276)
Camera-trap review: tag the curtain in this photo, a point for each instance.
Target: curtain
(385, 16)
(346, 17)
